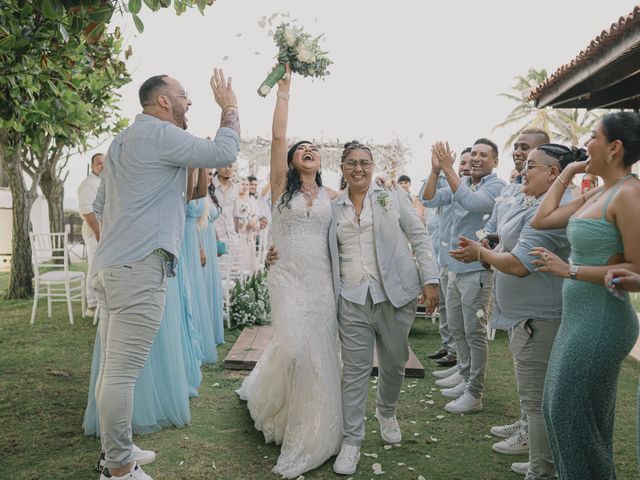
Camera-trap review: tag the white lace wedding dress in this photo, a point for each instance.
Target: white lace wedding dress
(293, 393)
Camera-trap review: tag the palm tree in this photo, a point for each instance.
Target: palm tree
(566, 125)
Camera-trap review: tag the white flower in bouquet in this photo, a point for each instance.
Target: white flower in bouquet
(291, 36)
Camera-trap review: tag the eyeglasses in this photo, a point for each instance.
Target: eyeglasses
(184, 95)
(364, 163)
(528, 166)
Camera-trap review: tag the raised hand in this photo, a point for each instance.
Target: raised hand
(222, 90)
(446, 157)
(435, 164)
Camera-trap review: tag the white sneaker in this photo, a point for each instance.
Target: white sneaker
(389, 428)
(141, 457)
(445, 373)
(520, 467)
(467, 403)
(347, 460)
(516, 444)
(505, 431)
(455, 392)
(450, 381)
(135, 473)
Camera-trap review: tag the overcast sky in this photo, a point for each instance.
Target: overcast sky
(419, 71)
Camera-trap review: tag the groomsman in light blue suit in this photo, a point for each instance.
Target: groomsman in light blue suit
(382, 260)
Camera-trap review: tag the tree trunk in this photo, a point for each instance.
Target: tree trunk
(4, 181)
(53, 189)
(20, 283)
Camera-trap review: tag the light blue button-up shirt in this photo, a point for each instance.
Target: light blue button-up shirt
(509, 196)
(538, 295)
(141, 199)
(471, 209)
(441, 236)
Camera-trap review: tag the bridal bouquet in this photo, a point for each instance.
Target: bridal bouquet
(301, 51)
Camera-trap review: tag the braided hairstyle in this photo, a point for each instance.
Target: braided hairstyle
(294, 182)
(212, 193)
(564, 155)
(354, 145)
(624, 126)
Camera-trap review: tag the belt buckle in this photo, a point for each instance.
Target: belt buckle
(163, 253)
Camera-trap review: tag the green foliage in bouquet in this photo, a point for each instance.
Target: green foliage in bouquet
(301, 51)
(250, 301)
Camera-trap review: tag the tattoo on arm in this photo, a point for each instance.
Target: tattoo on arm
(231, 119)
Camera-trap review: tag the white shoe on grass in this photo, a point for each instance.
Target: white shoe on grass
(455, 392)
(520, 467)
(347, 460)
(516, 444)
(389, 428)
(467, 403)
(450, 381)
(445, 373)
(505, 431)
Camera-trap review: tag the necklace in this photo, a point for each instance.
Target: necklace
(309, 193)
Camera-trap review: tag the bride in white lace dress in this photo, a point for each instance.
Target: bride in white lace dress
(293, 393)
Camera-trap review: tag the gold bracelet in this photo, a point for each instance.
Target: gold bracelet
(229, 106)
(480, 255)
(562, 182)
(282, 95)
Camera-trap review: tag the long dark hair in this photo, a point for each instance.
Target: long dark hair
(624, 126)
(293, 178)
(212, 193)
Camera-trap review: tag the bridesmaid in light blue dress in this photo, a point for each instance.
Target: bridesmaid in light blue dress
(161, 395)
(189, 333)
(190, 257)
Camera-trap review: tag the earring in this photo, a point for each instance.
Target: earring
(609, 158)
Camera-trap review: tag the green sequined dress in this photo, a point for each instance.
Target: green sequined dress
(597, 332)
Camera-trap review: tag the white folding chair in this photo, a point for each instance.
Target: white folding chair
(52, 276)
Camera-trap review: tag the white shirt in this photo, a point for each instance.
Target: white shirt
(87, 192)
(225, 228)
(359, 271)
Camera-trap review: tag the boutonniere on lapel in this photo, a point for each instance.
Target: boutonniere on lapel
(384, 201)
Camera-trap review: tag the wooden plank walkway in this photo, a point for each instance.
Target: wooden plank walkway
(253, 340)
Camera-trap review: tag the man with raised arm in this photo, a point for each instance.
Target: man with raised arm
(141, 202)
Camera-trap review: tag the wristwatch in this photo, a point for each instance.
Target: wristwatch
(573, 272)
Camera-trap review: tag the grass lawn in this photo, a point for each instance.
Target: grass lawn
(41, 415)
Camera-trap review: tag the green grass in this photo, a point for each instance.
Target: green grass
(41, 415)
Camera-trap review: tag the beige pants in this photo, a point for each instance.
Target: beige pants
(363, 328)
(131, 301)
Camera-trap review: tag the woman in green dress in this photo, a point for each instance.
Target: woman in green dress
(599, 326)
